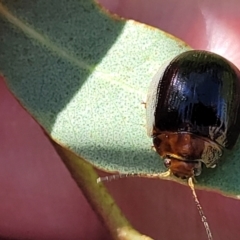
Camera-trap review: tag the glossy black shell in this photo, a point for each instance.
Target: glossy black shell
(199, 92)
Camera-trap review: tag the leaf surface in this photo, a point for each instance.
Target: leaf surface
(83, 74)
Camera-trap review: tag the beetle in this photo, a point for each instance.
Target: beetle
(193, 111)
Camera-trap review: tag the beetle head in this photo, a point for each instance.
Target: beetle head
(184, 152)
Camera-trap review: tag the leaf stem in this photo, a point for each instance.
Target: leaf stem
(99, 198)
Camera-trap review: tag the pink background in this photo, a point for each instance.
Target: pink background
(39, 199)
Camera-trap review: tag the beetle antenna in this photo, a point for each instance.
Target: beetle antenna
(118, 176)
(126, 175)
(200, 210)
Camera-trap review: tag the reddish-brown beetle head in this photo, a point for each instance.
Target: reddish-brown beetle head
(184, 153)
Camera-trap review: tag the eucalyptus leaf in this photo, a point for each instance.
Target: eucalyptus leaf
(82, 74)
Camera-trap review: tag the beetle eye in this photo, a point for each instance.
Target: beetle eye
(167, 162)
(197, 170)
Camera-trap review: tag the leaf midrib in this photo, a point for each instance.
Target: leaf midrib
(60, 51)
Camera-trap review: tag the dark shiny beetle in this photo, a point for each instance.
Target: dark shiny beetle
(193, 111)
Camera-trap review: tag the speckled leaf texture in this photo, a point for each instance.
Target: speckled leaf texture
(83, 74)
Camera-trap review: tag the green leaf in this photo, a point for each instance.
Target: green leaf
(83, 74)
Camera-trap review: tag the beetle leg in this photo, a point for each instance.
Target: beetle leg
(144, 103)
(153, 148)
(165, 174)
